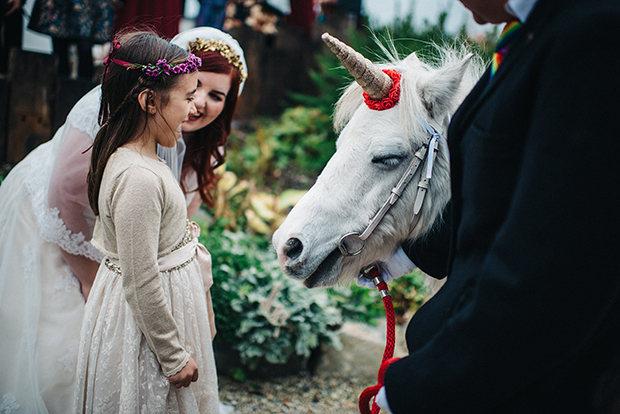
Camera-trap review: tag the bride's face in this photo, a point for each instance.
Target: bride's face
(210, 98)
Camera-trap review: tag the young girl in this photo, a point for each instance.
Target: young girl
(47, 263)
(146, 338)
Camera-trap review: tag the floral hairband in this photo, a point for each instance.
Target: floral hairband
(192, 64)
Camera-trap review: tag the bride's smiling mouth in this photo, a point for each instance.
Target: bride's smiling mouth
(193, 118)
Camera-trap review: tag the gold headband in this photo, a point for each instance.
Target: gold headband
(216, 45)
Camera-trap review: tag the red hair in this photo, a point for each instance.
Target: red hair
(203, 146)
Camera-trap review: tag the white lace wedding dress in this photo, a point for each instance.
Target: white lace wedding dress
(41, 305)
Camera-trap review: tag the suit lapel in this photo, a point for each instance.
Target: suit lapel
(486, 86)
(483, 90)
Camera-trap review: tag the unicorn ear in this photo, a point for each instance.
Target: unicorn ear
(412, 58)
(439, 90)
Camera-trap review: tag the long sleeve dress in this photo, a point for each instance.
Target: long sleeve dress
(147, 312)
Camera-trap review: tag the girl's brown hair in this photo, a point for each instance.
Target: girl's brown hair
(203, 153)
(121, 117)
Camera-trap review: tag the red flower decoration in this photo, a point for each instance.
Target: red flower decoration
(392, 98)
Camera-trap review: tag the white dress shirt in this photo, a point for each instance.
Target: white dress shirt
(521, 9)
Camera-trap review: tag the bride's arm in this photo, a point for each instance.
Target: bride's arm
(194, 202)
(68, 193)
(192, 197)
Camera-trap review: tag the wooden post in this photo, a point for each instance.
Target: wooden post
(32, 85)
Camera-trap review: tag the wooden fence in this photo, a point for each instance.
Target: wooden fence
(34, 102)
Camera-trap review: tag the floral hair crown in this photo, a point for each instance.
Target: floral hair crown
(217, 45)
(192, 64)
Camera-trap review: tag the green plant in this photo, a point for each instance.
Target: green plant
(259, 311)
(404, 36)
(240, 205)
(288, 152)
(409, 292)
(361, 304)
(358, 304)
(291, 150)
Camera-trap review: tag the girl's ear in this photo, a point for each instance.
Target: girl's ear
(147, 101)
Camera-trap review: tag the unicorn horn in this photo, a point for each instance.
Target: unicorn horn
(372, 79)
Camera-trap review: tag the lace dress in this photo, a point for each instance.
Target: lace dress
(41, 305)
(147, 312)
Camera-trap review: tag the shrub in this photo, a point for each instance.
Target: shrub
(361, 304)
(266, 316)
(288, 152)
(259, 311)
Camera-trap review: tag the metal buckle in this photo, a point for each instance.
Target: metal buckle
(351, 244)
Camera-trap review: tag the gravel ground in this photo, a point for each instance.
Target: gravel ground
(293, 394)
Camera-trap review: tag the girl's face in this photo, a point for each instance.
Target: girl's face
(210, 99)
(179, 108)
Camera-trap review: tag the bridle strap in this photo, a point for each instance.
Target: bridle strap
(367, 403)
(396, 191)
(430, 162)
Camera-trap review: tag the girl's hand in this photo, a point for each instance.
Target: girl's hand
(186, 376)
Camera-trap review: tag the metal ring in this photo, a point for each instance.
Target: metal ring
(343, 248)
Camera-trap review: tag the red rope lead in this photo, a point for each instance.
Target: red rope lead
(369, 393)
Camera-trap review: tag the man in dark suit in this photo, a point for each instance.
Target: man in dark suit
(529, 318)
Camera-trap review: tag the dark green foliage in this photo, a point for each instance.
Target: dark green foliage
(290, 152)
(365, 305)
(285, 153)
(331, 77)
(358, 304)
(258, 311)
(409, 292)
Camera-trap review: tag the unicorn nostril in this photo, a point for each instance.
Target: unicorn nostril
(293, 248)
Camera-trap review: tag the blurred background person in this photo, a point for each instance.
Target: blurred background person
(11, 28)
(74, 22)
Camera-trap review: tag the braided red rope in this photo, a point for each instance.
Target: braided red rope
(369, 393)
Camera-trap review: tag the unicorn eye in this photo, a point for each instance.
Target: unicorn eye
(390, 160)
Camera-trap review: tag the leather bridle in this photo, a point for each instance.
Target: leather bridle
(352, 244)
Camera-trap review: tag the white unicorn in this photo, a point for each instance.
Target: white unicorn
(350, 217)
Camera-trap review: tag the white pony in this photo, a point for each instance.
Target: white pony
(330, 235)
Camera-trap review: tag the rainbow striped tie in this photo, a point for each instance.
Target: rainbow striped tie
(503, 44)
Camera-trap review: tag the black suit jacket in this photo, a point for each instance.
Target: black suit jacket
(529, 318)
